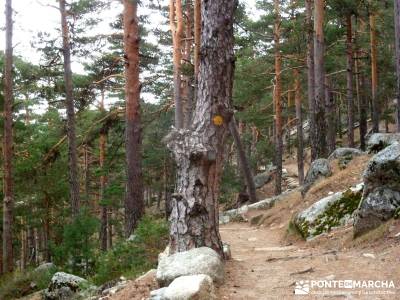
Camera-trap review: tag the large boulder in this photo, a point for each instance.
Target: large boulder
(330, 212)
(195, 287)
(45, 268)
(63, 286)
(381, 197)
(319, 168)
(202, 260)
(345, 153)
(379, 141)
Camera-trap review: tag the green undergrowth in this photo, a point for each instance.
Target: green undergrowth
(131, 258)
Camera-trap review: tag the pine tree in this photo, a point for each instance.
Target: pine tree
(134, 204)
(8, 201)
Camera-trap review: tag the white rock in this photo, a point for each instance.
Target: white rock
(202, 260)
(198, 287)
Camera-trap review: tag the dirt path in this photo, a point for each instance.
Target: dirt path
(265, 267)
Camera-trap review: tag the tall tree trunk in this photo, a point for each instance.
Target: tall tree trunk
(320, 122)
(299, 122)
(103, 180)
(277, 101)
(176, 24)
(134, 204)
(311, 78)
(8, 201)
(374, 74)
(330, 110)
(350, 104)
(199, 152)
(69, 100)
(397, 45)
(187, 88)
(244, 162)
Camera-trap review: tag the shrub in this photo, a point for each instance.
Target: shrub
(134, 256)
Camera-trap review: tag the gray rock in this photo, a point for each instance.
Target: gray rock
(202, 260)
(158, 294)
(383, 169)
(379, 141)
(45, 267)
(195, 287)
(330, 212)
(262, 179)
(63, 286)
(376, 208)
(381, 197)
(345, 152)
(265, 177)
(319, 168)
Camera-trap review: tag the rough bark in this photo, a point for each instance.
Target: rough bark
(8, 184)
(176, 25)
(277, 101)
(299, 123)
(69, 102)
(374, 74)
(134, 204)
(244, 162)
(397, 46)
(320, 121)
(311, 77)
(350, 63)
(199, 152)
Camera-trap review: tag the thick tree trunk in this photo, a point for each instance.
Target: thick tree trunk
(134, 205)
(199, 152)
(8, 184)
(311, 78)
(320, 121)
(277, 101)
(244, 162)
(374, 74)
(103, 180)
(299, 122)
(69, 100)
(397, 45)
(350, 104)
(176, 24)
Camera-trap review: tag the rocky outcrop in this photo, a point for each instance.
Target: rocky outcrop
(262, 179)
(238, 214)
(197, 261)
(344, 153)
(329, 212)
(45, 267)
(379, 141)
(63, 286)
(381, 197)
(319, 168)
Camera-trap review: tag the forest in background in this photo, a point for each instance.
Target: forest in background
(309, 77)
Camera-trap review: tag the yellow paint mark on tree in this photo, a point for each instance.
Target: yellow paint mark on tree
(218, 120)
